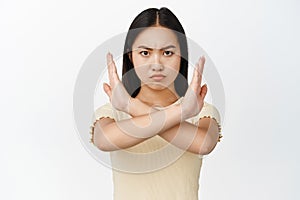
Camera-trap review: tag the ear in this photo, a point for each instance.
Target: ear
(129, 55)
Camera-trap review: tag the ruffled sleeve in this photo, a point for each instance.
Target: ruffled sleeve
(209, 111)
(105, 110)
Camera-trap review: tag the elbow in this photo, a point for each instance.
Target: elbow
(101, 146)
(100, 140)
(211, 138)
(207, 150)
(208, 146)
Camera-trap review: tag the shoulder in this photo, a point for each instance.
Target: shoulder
(208, 110)
(107, 110)
(106, 106)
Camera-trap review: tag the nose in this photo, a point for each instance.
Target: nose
(156, 65)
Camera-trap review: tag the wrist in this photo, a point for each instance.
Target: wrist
(183, 113)
(185, 108)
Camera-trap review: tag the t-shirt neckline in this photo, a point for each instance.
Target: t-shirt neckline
(176, 102)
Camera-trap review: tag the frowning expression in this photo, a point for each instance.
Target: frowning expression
(156, 57)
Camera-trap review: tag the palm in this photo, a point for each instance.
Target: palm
(194, 98)
(116, 91)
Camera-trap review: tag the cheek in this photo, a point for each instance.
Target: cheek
(142, 72)
(141, 67)
(137, 61)
(177, 61)
(173, 66)
(173, 70)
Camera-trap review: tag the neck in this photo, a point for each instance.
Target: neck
(154, 97)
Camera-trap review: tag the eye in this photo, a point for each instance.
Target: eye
(168, 53)
(144, 53)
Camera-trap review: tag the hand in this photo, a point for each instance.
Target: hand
(193, 100)
(115, 90)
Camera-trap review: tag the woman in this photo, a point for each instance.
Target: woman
(156, 126)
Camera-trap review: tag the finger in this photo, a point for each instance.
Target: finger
(195, 74)
(108, 62)
(107, 89)
(203, 91)
(201, 67)
(111, 62)
(113, 68)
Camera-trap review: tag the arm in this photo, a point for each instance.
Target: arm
(110, 135)
(199, 139)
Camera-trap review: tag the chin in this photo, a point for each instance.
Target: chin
(157, 86)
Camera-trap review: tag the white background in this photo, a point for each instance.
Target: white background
(254, 45)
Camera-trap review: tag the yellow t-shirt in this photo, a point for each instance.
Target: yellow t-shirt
(155, 168)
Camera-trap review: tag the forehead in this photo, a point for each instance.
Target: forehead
(155, 37)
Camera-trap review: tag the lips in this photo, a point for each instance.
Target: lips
(157, 77)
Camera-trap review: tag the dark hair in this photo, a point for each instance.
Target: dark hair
(147, 18)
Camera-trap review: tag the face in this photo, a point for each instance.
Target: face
(156, 57)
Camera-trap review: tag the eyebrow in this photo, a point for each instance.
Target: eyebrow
(148, 48)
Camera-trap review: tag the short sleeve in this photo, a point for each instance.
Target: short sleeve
(210, 111)
(105, 110)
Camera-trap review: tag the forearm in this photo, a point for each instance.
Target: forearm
(126, 133)
(200, 139)
(186, 136)
(111, 137)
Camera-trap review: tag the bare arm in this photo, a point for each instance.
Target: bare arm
(199, 139)
(110, 135)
